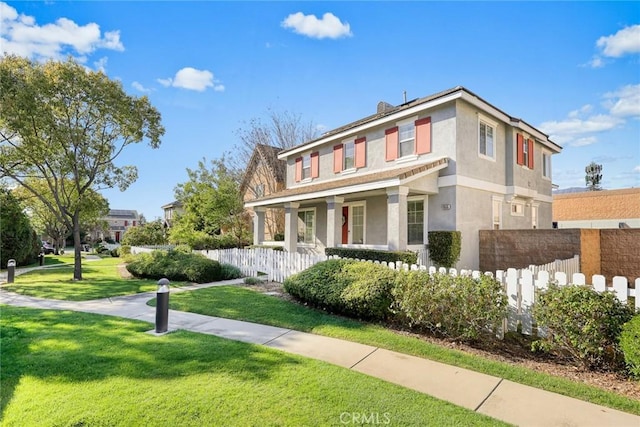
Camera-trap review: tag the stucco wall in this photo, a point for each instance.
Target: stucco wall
(590, 259)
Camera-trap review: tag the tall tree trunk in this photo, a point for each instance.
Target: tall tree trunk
(77, 246)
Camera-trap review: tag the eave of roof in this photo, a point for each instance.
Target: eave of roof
(375, 180)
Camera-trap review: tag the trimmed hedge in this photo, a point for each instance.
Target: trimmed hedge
(444, 247)
(630, 345)
(175, 266)
(407, 257)
(275, 248)
(582, 323)
(459, 307)
(349, 287)
(229, 272)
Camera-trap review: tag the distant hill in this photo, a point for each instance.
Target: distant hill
(571, 190)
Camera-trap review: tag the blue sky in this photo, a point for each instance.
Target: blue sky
(572, 69)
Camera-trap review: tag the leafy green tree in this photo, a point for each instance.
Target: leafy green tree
(151, 233)
(212, 205)
(18, 240)
(44, 221)
(66, 125)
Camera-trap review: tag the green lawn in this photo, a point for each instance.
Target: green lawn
(78, 369)
(245, 304)
(100, 280)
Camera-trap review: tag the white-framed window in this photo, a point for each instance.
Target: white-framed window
(259, 190)
(525, 152)
(406, 139)
(349, 155)
(546, 164)
(497, 213)
(357, 224)
(486, 138)
(306, 167)
(517, 209)
(415, 221)
(534, 216)
(306, 226)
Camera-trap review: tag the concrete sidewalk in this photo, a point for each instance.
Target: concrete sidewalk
(501, 399)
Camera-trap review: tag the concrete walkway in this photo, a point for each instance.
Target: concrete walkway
(501, 399)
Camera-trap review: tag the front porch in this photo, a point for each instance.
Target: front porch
(379, 211)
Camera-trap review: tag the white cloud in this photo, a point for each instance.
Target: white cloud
(625, 41)
(329, 26)
(624, 102)
(193, 79)
(137, 86)
(101, 64)
(21, 35)
(581, 142)
(636, 169)
(596, 62)
(570, 128)
(582, 111)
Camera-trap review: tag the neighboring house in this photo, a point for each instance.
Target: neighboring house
(118, 222)
(597, 209)
(450, 161)
(171, 210)
(265, 175)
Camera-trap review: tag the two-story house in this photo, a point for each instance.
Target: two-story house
(171, 211)
(118, 221)
(449, 161)
(265, 175)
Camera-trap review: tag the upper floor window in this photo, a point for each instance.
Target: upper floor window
(546, 165)
(487, 143)
(260, 190)
(349, 158)
(126, 223)
(306, 167)
(406, 139)
(525, 151)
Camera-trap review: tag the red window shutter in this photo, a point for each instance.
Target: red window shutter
(299, 169)
(337, 158)
(361, 152)
(530, 154)
(134, 223)
(391, 138)
(126, 223)
(423, 136)
(520, 149)
(315, 164)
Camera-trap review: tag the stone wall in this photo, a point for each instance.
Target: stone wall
(620, 252)
(610, 252)
(502, 249)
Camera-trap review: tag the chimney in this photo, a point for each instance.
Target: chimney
(383, 106)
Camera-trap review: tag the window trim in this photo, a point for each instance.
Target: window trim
(500, 200)
(350, 206)
(412, 123)
(482, 119)
(535, 207)
(306, 158)
(515, 205)
(424, 204)
(346, 143)
(546, 167)
(313, 232)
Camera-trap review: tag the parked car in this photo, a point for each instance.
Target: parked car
(47, 248)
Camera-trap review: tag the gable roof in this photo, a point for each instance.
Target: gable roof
(593, 205)
(346, 185)
(418, 104)
(269, 155)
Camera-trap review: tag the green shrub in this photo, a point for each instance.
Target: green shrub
(345, 286)
(252, 281)
(444, 247)
(229, 272)
(115, 252)
(125, 250)
(582, 323)
(275, 248)
(185, 249)
(458, 307)
(630, 345)
(278, 237)
(176, 266)
(406, 257)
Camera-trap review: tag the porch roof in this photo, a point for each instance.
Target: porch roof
(358, 183)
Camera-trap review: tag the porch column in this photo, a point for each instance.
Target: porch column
(291, 227)
(258, 225)
(334, 221)
(397, 218)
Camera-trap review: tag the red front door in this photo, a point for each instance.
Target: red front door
(117, 237)
(345, 225)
